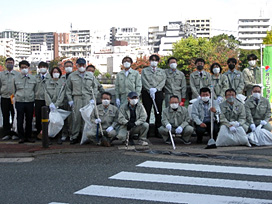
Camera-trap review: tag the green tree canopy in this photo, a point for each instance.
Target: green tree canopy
(268, 39)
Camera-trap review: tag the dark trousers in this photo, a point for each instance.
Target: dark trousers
(200, 131)
(7, 111)
(148, 103)
(24, 111)
(38, 114)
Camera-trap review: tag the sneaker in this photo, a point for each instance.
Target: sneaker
(14, 137)
(185, 142)
(143, 143)
(63, 138)
(7, 137)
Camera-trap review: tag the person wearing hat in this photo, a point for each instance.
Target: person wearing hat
(258, 110)
(107, 116)
(175, 118)
(79, 87)
(126, 81)
(132, 117)
(42, 78)
(6, 80)
(199, 78)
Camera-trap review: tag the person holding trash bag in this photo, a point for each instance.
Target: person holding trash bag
(24, 92)
(107, 116)
(175, 83)
(153, 80)
(80, 85)
(199, 78)
(126, 81)
(6, 80)
(201, 114)
(219, 82)
(258, 110)
(132, 119)
(54, 93)
(175, 118)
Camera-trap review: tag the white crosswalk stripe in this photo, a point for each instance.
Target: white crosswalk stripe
(185, 197)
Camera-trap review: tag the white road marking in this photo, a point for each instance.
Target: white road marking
(207, 168)
(57, 203)
(185, 180)
(15, 160)
(166, 196)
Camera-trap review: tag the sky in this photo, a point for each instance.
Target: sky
(57, 15)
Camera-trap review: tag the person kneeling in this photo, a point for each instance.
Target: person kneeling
(107, 116)
(175, 118)
(132, 117)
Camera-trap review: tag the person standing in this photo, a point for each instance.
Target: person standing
(42, 79)
(6, 80)
(175, 83)
(251, 74)
(79, 92)
(127, 80)
(153, 81)
(98, 87)
(199, 78)
(24, 86)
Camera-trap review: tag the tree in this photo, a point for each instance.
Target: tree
(141, 62)
(55, 62)
(268, 39)
(2, 62)
(243, 57)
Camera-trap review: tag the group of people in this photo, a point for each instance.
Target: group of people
(135, 95)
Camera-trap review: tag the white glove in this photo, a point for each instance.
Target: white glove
(219, 99)
(52, 107)
(71, 103)
(263, 122)
(98, 120)
(169, 127)
(235, 124)
(118, 102)
(109, 129)
(179, 130)
(253, 127)
(152, 92)
(233, 129)
(91, 101)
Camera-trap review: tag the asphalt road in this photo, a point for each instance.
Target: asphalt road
(56, 178)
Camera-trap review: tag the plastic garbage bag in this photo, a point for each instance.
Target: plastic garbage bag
(64, 113)
(56, 123)
(241, 98)
(227, 138)
(86, 112)
(260, 137)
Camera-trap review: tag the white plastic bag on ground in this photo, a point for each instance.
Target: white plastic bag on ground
(227, 138)
(14, 124)
(241, 98)
(56, 123)
(86, 112)
(261, 137)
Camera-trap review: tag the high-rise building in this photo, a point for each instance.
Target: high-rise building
(203, 27)
(7, 47)
(251, 32)
(60, 38)
(43, 37)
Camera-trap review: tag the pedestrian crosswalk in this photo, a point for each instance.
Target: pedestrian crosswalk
(144, 173)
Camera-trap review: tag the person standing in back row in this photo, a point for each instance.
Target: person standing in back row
(153, 80)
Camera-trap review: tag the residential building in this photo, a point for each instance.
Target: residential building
(7, 47)
(43, 37)
(60, 38)
(251, 32)
(203, 27)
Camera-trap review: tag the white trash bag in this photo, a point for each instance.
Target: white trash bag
(241, 98)
(260, 137)
(86, 112)
(56, 121)
(227, 138)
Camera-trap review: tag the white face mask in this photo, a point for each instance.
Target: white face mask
(56, 75)
(81, 69)
(216, 70)
(153, 63)
(43, 70)
(205, 99)
(173, 65)
(105, 102)
(252, 63)
(90, 72)
(24, 71)
(256, 95)
(174, 105)
(68, 69)
(127, 64)
(133, 101)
